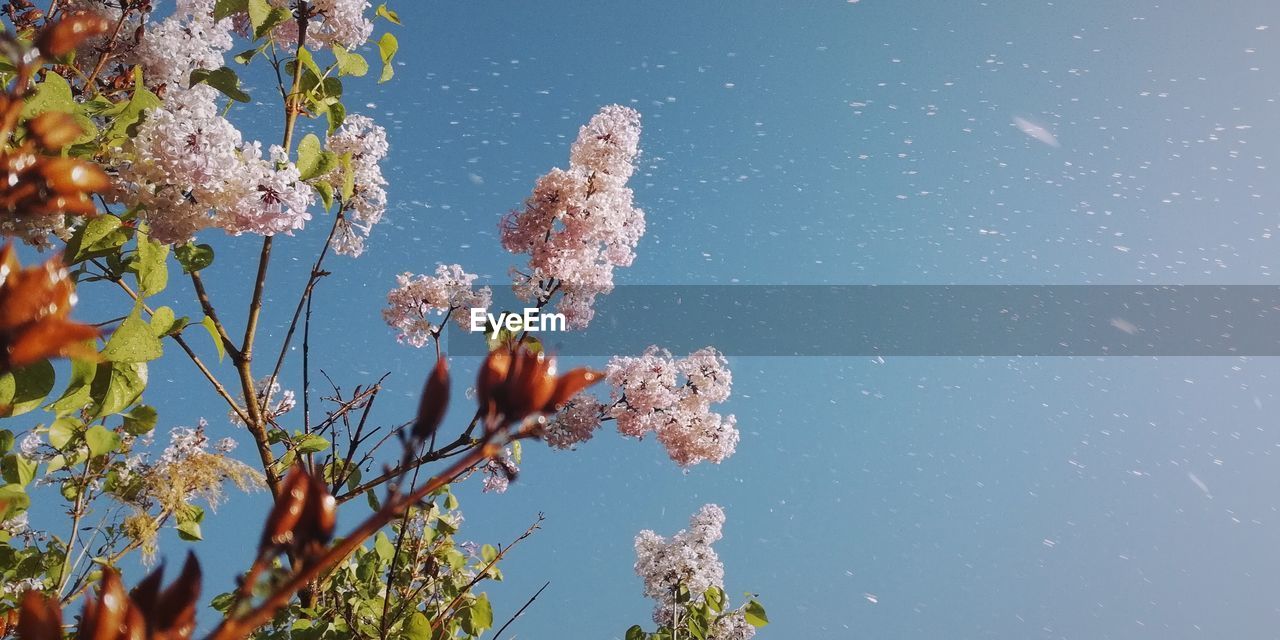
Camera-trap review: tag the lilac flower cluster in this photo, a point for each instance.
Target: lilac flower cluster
(367, 144)
(186, 40)
(579, 224)
(332, 23)
(656, 393)
(687, 560)
(418, 300)
(188, 169)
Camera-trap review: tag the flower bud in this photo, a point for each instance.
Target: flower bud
(434, 402)
(284, 517)
(62, 37)
(68, 176)
(104, 617)
(40, 617)
(569, 385)
(53, 130)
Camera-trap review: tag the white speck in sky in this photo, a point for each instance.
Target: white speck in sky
(1200, 484)
(871, 597)
(1124, 325)
(1035, 131)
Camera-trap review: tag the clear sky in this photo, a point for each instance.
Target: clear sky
(878, 142)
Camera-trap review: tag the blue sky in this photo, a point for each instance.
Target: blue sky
(830, 142)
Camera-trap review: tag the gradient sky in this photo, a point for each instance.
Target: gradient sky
(830, 142)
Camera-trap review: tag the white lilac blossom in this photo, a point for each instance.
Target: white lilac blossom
(685, 560)
(367, 144)
(190, 169)
(418, 300)
(580, 223)
(668, 397)
(334, 22)
(186, 40)
(272, 407)
(185, 443)
(498, 472)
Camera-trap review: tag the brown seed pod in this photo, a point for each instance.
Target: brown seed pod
(569, 385)
(104, 617)
(53, 130)
(174, 615)
(284, 516)
(39, 618)
(62, 37)
(35, 303)
(434, 402)
(71, 177)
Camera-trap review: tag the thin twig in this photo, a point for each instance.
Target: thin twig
(521, 610)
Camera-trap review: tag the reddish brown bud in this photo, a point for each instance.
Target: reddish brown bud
(434, 402)
(104, 617)
(569, 385)
(70, 177)
(62, 37)
(40, 618)
(34, 306)
(174, 615)
(53, 130)
(287, 512)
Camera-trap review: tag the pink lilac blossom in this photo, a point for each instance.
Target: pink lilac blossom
(656, 393)
(366, 141)
(685, 560)
(419, 299)
(186, 40)
(580, 223)
(188, 169)
(575, 423)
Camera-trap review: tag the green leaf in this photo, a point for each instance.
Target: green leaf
(126, 116)
(207, 323)
(714, 597)
(13, 500)
(189, 518)
(309, 62)
(141, 420)
(153, 272)
(226, 8)
(223, 79)
(311, 161)
(61, 432)
(348, 178)
(54, 94)
(265, 17)
(24, 389)
(133, 340)
(117, 385)
(634, 633)
(336, 115)
(755, 615)
(99, 236)
(488, 553)
(312, 443)
(6, 440)
(101, 440)
(193, 257)
(326, 194)
(477, 617)
(387, 48)
(382, 545)
(417, 627)
(350, 64)
(76, 395)
(19, 470)
(389, 15)
(244, 57)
